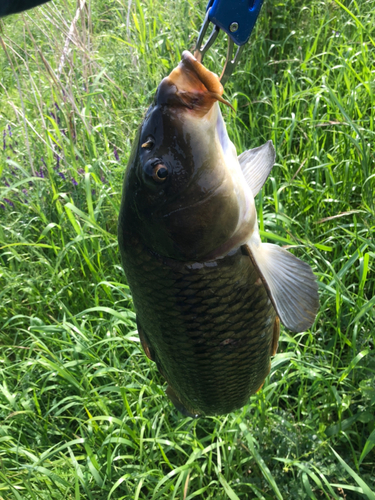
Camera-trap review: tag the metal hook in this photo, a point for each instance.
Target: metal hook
(230, 62)
(199, 52)
(236, 18)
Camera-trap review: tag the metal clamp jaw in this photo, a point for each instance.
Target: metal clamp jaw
(237, 18)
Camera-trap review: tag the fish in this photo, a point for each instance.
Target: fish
(209, 295)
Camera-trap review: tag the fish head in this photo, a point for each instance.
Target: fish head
(182, 185)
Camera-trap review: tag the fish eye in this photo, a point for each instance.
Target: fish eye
(148, 144)
(160, 173)
(155, 171)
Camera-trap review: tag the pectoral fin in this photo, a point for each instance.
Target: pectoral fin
(256, 164)
(290, 283)
(146, 347)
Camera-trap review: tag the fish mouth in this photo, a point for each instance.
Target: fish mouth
(190, 75)
(197, 88)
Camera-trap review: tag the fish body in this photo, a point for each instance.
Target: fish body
(207, 292)
(209, 326)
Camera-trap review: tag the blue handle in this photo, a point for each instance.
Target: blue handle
(236, 17)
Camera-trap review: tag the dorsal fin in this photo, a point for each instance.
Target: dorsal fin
(256, 164)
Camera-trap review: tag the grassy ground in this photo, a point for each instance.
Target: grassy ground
(83, 413)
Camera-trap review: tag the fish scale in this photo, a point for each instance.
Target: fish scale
(209, 325)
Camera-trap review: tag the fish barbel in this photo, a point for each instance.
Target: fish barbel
(207, 292)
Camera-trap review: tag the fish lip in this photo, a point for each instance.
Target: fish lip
(209, 79)
(195, 87)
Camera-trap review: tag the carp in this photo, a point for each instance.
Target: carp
(208, 294)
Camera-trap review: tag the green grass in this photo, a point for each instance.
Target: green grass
(83, 413)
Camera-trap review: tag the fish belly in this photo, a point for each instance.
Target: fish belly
(208, 326)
